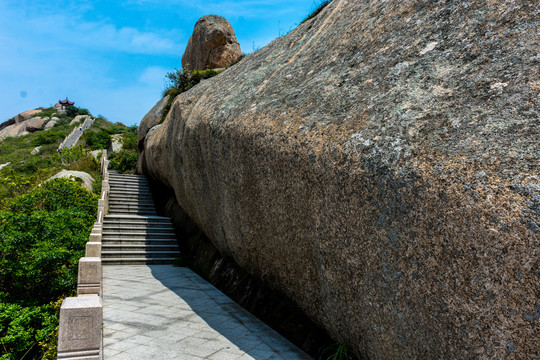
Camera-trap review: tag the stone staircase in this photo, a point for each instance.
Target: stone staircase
(132, 232)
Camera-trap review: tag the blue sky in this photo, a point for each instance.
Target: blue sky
(112, 56)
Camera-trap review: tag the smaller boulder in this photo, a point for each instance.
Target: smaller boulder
(96, 153)
(78, 119)
(4, 165)
(49, 125)
(212, 45)
(35, 123)
(87, 180)
(116, 142)
(36, 150)
(14, 130)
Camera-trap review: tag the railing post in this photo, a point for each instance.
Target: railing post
(79, 333)
(93, 249)
(89, 282)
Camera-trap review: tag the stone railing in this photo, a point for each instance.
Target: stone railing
(81, 317)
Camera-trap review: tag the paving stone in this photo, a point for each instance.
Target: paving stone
(166, 312)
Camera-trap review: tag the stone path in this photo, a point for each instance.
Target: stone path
(72, 139)
(166, 312)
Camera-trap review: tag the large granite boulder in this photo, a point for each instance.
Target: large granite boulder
(212, 45)
(380, 166)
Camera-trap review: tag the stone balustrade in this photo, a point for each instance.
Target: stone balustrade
(81, 317)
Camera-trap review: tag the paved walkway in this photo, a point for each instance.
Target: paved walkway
(165, 312)
(72, 139)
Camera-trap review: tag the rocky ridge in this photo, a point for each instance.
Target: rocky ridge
(380, 166)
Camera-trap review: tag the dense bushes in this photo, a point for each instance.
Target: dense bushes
(48, 137)
(97, 140)
(125, 160)
(42, 236)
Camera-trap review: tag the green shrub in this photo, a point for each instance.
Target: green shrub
(24, 330)
(181, 81)
(48, 137)
(97, 140)
(42, 237)
(49, 112)
(124, 161)
(316, 11)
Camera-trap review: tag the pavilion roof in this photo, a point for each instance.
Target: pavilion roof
(66, 102)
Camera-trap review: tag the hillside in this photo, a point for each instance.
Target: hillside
(44, 224)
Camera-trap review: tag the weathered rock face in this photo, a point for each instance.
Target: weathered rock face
(379, 165)
(212, 45)
(149, 121)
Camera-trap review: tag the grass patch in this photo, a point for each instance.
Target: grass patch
(315, 12)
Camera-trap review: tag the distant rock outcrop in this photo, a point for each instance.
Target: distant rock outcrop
(212, 45)
(380, 166)
(17, 119)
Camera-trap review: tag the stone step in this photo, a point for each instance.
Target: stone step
(137, 261)
(132, 208)
(139, 241)
(128, 183)
(126, 194)
(131, 202)
(135, 247)
(120, 204)
(134, 222)
(114, 224)
(138, 235)
(138, 229)
(139, 254)
(127, 191)
(127, 179)
(133, 212)
(123, 197)
(137, 218)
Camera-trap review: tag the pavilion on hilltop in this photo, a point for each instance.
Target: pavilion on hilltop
(61, 106)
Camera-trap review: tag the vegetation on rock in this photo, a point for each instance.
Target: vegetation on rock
(315, 12)
(181, 81)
